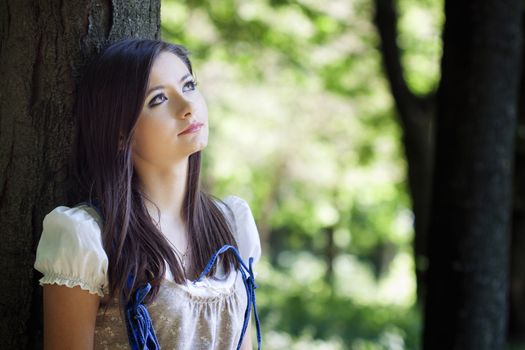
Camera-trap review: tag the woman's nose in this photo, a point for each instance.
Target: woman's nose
(183, 108)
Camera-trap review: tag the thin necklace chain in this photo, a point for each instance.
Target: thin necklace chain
(181, 256)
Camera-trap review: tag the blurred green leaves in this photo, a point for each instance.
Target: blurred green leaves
(302, 126)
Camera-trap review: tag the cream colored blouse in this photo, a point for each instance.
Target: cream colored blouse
(205, 315)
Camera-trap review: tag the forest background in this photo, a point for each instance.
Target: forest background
(305, 127)
(379, 143)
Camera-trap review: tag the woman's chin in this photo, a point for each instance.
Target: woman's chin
(201, 145)
(197, 148)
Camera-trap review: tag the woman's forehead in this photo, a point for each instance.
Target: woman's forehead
(167, 67)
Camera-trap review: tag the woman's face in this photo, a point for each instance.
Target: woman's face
(172, 105)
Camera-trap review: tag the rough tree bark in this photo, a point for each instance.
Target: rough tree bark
(43, 47)
(466, 306)
(517, 265)
(416, 118)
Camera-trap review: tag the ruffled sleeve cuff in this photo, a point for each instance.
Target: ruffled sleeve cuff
(70, 251)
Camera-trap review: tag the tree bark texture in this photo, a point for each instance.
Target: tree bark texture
(416, 116)
(466, 306)
(517, 268)
(43, 47)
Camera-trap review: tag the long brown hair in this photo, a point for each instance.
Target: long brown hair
(109, 100)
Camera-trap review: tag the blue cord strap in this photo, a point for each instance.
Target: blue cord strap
(141, 334)
(248, 278)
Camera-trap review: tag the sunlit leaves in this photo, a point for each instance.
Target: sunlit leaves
(302, 126)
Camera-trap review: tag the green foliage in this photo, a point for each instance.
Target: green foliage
(310, 309)
(421, 42)
(302, 126)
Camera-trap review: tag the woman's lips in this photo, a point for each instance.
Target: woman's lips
(192, 128)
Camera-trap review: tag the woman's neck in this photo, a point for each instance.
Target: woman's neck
(165, 188)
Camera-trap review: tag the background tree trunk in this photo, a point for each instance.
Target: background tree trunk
(43, 47)
(466, 306)
(416, 118)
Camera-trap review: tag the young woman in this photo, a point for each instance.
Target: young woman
(139, 264)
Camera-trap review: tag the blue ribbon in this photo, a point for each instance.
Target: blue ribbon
(248, 278)
(141, 334)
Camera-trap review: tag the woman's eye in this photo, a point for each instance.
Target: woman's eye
(158, 99)
(189, 86)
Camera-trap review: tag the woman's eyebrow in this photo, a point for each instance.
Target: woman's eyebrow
(184, 77)
(158, 87)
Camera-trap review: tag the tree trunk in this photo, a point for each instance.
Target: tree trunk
(416, 118)
(43, 47)
(517, 265)
(330, 253)
(472, 196)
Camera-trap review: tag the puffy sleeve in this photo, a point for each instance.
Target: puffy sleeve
(246, 233)
(70, 250)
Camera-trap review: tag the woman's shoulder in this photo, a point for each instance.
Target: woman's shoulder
(235, 204)
(245, 229)
(236, 209)
(80, 214)
(70, 250)
(79, 225)
(234, 200)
